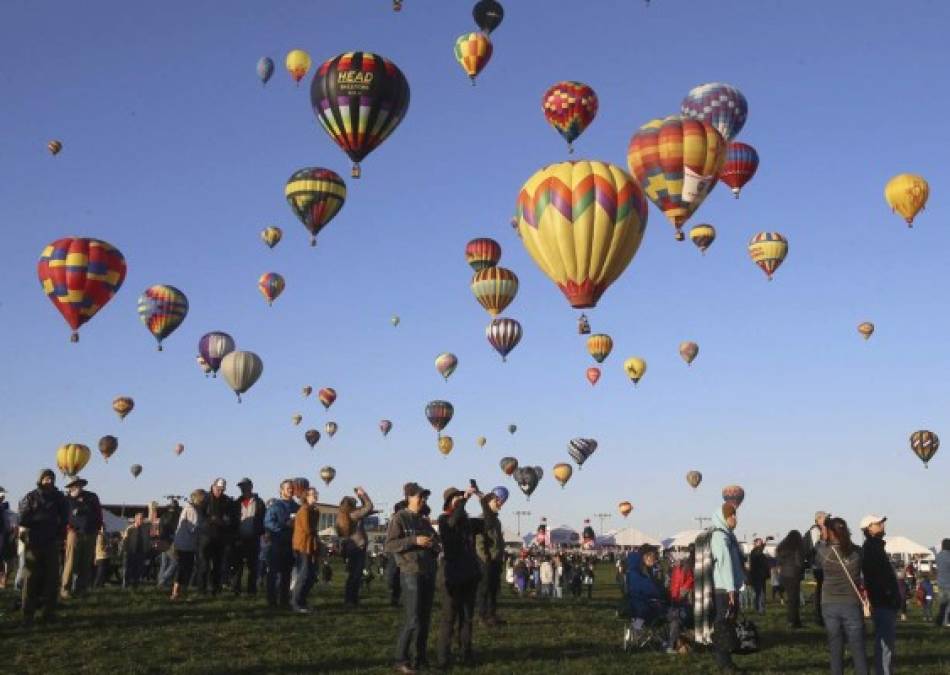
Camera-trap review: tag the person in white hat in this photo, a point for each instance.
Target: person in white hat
(215, 541)
(884, 594)
(82, 527)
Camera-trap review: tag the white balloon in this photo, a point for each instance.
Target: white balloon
(241, 370)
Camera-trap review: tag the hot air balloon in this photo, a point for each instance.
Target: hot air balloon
(312, 436)
(122, 405)
(271, 285)
(563, 473)
(635, 367)
(740, 166)
(688, 351)
(327, 474)
(394, 320)
(925, 445)
(694, 478)
(54, 147)
(504, 335)
(508, 465)
(385, 426)
(307, 391)
(512, 428)
(495, 288)
(488, 14)
(625, 508)
(446, 444)
(271, 236)
(722, 105)
(213, 347)
(599, 346)
(179, 448)
(702, 236)
(768, 250)
(107, 446)
(315, 196)
(583, 325)
(527, 478)
(481, 441)
(297, 64)
(473, 52)
(241, 370)
(135, 470)
(482, 253)
(439, 414)
(907, 194)
(327, 396)
(580, 449)
(569, 107)
(446, 363)
(866, 329)
(72, 457)
(206, 369)
(265, 68)
(330, 428)
(162, 308)
(676, 162)
(593, 375)
(80, 276)
(297, 418)
(582, 223)
(733, 494)
(360, 98)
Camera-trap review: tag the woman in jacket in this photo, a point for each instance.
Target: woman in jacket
(790, 556)
(349, 527)
(841, 609)
(306, 546)
(190, 526)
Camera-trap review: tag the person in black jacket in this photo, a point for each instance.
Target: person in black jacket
(392, 567)
(758, 573)
(43, 516)
(82, 527)
(460, 573)
(883, 592)
(490, 548)
(249, 522)
(215, 540)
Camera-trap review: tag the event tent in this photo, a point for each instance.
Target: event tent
(627, 537)
(681, 539)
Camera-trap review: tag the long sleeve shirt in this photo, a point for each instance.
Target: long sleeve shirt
(401, 535)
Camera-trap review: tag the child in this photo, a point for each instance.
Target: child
(925, 596)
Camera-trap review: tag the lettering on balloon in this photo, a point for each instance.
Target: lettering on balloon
(354, 81)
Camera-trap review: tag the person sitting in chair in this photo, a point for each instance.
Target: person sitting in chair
(647, 599)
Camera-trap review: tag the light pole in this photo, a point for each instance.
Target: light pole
(518, 515)
(602, 517)
(701, 520)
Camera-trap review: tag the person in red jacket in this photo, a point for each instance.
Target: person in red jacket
(681, 596)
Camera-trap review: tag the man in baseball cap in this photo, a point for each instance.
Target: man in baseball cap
(884, 594)
(249, 512)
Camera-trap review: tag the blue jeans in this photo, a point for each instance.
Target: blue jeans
(418, 591)
(167, 567)
(845, 621)
(303, 580)
(355, 562)
(278, 573)
(885, 633)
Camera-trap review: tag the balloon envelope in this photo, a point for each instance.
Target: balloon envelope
(599, 346)
(694, 478)
(488, 14)
(162, 308)
(312, 436)
(702, 236)
(122, 405)
(446, 363)
(271, 236)
(72, 457)
(241, 370)
(688, 351)
(907, 195)
(385, 426)
(315, 195)
(740, 165)
(135, 470)
(327, 396)
(508, 465)
(439, 414)
(635, 367)
(265, 68)
(593, 375)
(563, 473)
(213, 347)
(297, 64)
(481, 253)
(504, 335)
(924, 444)
(107, 446)
(625, 508)
(569, 107)
(722, 105)
(768, 251)
(473, 52)
(327, 474)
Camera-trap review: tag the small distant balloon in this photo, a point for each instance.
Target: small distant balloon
(694, 478)
(107, 446)
(907, 195)
(330, 428)
(866, 329)
(179, 448)
(296, 419)
(297, 64)
(385, 426)
(689, 351)
(327, 474)
(327, 396)
(265, 68)
(563, 473)
(446, 363)
(135, 470)
(312, 436)
(593, 375)
(122, 405)
(271, 236)
(625, 508)
(446, 444)
(54, 147)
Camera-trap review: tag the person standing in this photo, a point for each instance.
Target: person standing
(82, 524)
(43, 516)
(392, 568)
(490, 548)
(811, 539)
(589, 578)
(775, 576)
(167, 525)
(728, 577)
(943, 583)
(135, 547)
(841, 602)
(187, 536)
(547, 577)
(883, 592)
(215, 540)
(278, 528)
(925, 594)
(412, 540)
(758, 574)
(791, 559)
(102, 558)
(306, 545)
(460, 573)
(249, 518)
(559, 577)
(8, 538)
(349, 527)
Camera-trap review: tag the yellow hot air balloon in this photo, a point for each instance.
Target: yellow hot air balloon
(563, 473)
(494, 288)
(702, 236)
(581, 222)
(473, 52)
(297, 64)
(446, 444)
(625, 508)
(122, 405)
(296, 419)
(599, 346)
(635, 367)
(481, 441)
(866, 329)
(768, 250)
(72, 457)
(689, 350)
(907, 195)
(271, 236)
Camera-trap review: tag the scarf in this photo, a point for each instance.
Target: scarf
(703, 608)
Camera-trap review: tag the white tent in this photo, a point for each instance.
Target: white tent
(681, 539)
(630, 537)
(906, 548)
(510, 537)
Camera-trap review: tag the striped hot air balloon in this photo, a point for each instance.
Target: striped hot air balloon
(445, 364)
(702, 236)
(925, 445)
(473, 52)
(740, 166)
(71, 458)
(504, 335)
(213, 347)
(768, 250)
(315, 196)
(580, 449)
(327, 396)
(495, 288)
(439, 414)
(482, 252)
(271, 285)
(599, 346)
(162, 308)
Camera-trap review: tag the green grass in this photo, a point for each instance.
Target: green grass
(118, 632)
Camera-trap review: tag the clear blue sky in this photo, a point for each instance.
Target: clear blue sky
(174, 153)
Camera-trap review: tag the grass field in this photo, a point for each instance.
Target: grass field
(118, 632)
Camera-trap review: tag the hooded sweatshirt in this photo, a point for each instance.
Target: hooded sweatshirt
(644, 594)
(44, 513)
(728, 574)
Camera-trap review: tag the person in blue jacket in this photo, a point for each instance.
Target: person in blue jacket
(278, 529)
(647, 599)
(728, 577)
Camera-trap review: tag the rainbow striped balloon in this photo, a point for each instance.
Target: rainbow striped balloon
(162, 308)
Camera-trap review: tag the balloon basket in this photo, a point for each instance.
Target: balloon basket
(74, 337)
(355, 172)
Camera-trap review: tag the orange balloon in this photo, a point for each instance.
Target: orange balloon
(593, 374)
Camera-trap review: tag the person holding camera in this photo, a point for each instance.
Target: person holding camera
(490, 548)
(349, 527)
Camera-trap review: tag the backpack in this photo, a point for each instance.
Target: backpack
(747, 637)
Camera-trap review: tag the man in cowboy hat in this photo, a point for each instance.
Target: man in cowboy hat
(82, 527)
(43, 515)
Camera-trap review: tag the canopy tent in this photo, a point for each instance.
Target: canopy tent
(681, 539)
(627, 537)
(906, 548)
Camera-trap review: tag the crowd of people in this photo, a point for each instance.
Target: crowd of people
(213, 542)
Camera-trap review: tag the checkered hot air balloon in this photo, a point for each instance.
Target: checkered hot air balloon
(482, 252)
(162, 308)
(80, 275)
(360, 98)
(504, 335)
(676, 161)
(722, 105)
(213, 347)
(768, 251)
(495, 288)
(473, 52)
(569, 107)
(439, 414)
(581, 222)
(580, 449)
(742, 161)
(315, 196)
(925, 445)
